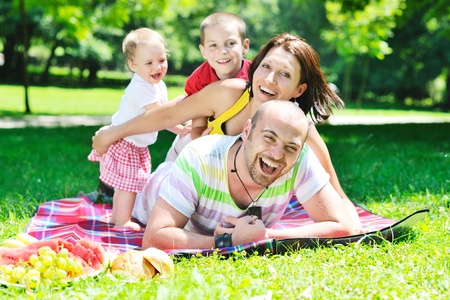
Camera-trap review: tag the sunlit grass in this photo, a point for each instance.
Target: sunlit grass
(68, 101)
(105, 101)
(392, 170)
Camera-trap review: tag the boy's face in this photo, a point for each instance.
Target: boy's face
(224, 50)
(149, 62)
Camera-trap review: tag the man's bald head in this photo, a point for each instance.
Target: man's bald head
(287, 111)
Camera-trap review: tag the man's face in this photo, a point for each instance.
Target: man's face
(273, 147)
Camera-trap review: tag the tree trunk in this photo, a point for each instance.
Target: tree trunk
(347, 82)
(362, 86)
(94, 67)
(44, 76)
(25, 53)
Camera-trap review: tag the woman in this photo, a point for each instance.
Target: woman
(286, 68)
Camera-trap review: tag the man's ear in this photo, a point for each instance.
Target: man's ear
(247, 129)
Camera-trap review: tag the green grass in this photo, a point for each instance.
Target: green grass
(392, 170)
(51, 100)
(70, 101)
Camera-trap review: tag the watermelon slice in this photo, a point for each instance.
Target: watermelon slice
(92, 254)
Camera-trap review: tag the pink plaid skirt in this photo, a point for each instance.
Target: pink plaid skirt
(125, 166)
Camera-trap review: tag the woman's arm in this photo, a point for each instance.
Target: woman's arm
(316, 143)
(210, 100)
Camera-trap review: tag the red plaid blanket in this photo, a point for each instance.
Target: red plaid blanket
(76, 218)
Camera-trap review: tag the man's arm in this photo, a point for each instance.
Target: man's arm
(331, 218)
(165, 230)
(316, 143)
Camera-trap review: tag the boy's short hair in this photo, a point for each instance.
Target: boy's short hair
(223, 18)
(138, 37)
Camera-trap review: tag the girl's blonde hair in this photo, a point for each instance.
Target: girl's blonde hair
(141, 36)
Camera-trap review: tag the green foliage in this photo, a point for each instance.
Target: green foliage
(363, 31)
(370, 49)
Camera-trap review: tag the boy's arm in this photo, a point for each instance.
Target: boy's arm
(199, 125)
(180, 129)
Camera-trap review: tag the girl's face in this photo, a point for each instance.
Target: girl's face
(149, 62)
(277, 77)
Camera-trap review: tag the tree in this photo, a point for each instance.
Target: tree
(419, 42)
(360, 30)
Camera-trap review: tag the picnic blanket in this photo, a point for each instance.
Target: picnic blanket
(75, 218)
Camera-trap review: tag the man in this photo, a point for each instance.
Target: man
(211, 195)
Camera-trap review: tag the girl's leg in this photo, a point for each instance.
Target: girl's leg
(123, 203)
(114, 210)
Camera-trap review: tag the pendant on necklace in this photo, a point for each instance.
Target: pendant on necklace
(255, 211)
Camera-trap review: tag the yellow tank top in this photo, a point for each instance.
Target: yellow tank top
(217, 123)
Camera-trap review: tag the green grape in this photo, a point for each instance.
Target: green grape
(47, 260)
(18, 273)
(48, 274)
(33, 259)
(63, 253)
(61, 263)
(51, 253)
(9, 278)
(33, 281)
(44, 249)
(40, 267)
(61, 274)
(70, 266)
(33, 272)
(6, 269)
(78, 267)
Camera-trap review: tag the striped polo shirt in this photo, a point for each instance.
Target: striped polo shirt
(197, 185)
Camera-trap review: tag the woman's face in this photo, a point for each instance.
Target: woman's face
(277, 77)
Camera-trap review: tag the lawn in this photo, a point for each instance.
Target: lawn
(65, 101)
(392, 170)
(50, 100)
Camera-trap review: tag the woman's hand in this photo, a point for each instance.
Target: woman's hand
(101, 141)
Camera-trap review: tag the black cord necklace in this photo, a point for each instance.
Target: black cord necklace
(253, 210)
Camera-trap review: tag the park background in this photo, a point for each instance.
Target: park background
(393, 52)
(388, 58)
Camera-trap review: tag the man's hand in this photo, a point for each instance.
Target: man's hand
(246, 229)
(99, 142)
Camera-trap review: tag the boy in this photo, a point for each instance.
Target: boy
(223, 43)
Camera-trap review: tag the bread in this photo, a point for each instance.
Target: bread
(142, 264)
(159, 260)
